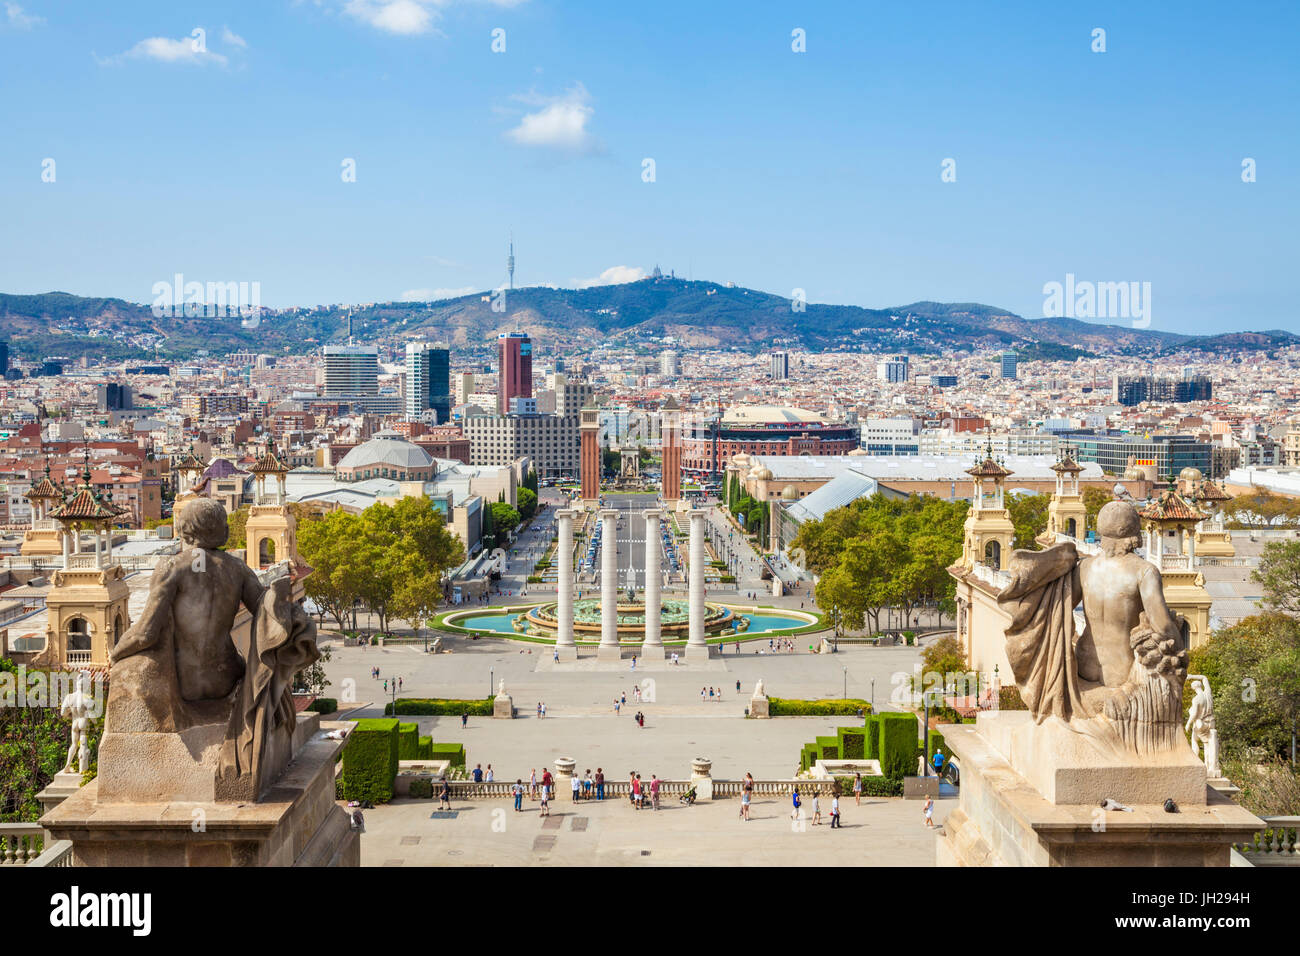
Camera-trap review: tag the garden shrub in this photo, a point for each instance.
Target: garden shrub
(897, 745)
(873, 786)
(370, 760)
(852, 742)
(872, 741)
(422, 788)
(323, 705)
(1009, 698)
(833, 707)
(424, 748)
(408, 741)
(452, 752)
(828, 748)
(808, 756)
(439, 706)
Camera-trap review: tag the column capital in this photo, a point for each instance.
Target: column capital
(608, 513)
(652, 513)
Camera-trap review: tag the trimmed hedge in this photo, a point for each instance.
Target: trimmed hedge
(897, 747)
(835, 707)
(872, 742)
(422, 789)
(424, 748)
(453, 752)
(370, 760)
(852, 742)
(828, 748)
(873, 786)
(808, 756)
(408, 741)
(323, 705)
(439, 707)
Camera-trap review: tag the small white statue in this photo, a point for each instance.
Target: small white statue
(501, 687)
(78, 706)
(1200, 724)
(758, 689)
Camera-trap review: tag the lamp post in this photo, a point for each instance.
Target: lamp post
(491, 680)
(846, 683)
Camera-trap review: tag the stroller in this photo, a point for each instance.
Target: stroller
(688, 797)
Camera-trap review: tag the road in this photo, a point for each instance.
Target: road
(631, 537)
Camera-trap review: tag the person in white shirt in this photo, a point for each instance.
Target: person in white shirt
(489, 776)
(835, 812)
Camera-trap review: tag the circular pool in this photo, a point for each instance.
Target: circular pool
(540, 621)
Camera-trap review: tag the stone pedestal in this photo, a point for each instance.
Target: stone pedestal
(566, 652)
(64, 785)
(702, 779)
(609, 652)
(296, 823)
(758, 707)
(565, 768)
(1004, 820)
(503, 707)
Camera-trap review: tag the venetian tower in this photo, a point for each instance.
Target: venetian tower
(43, 537)
(989, 533)
(271, 530)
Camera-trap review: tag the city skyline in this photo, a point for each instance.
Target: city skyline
(383, 151)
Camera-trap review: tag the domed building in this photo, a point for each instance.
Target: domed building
(383, 457)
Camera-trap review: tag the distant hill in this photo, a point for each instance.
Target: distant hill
(698, 314)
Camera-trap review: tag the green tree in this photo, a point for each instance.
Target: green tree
(527, 501)
(326, 546)
(1094, 499)
(504, 520)
(944, 656)
(1029, 516)
(1254, 671)
(237, 522)
(530, 480)
(1279, 574)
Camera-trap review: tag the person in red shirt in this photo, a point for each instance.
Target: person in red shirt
(654, 791)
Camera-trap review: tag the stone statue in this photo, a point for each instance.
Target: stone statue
(1120, 682)
(179, 668)
(501, 687)
(759, 690)
(78, 707)
(1200, 724)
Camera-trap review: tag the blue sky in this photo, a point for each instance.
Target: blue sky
(774, 169)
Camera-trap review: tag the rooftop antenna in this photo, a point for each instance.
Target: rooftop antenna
(510, 261)
(349, 326)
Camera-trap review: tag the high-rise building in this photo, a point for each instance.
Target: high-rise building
(514, 369)
(780, 366)
(464, 387)
(1135, 389)
(670, 363)
(428, 381)
(943, 381)
(893, 369)
(4, 358)
(1009, 365)
(351, 370)
(113, 397)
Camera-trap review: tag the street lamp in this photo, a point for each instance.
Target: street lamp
(846, 683)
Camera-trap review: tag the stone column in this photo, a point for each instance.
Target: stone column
(653, 645)
(565, 769)
(565, 644)
(609, 648)
(696, 647)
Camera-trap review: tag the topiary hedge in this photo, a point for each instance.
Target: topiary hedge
(852, 742)
(872, 741)
(873, 786)
(452, 752)
(835, 707)
(408, 741)
(424, 748)
(323, 705)
(808, 756)
(828, 748)
(897, 744)
(439, 707)
(370, 760)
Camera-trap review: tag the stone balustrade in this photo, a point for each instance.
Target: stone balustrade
(20, 843)
(502, 789)
(1276, 845)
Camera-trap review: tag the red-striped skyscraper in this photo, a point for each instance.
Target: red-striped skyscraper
(514, 369)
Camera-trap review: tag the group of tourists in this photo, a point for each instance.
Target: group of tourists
(643, 794)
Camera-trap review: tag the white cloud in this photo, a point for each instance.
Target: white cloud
(403, 17)
(434, 295)
(231, 38)
(614, 275)
(20, 19)
(191, 49)
(560, 123)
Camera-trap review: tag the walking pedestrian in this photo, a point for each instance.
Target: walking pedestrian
(464, 719)
(576, 786)
(835, 811)
(518, 791)
(444, 795)
(532, 784)
(929, 813)
(857, 789)
(817, 809)
(794, 799)
(746, 794)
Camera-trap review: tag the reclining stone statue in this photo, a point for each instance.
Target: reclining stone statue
(1120, 682)
(179, 668)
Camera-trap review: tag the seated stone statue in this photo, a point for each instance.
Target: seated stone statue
(179, 667)
(1121, 680)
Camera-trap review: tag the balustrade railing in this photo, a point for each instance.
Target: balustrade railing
(616, 789)
(20, 843)
(1278, 844)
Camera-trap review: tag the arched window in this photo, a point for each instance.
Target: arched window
(78, 634)
(993, 554)
(117, 629)
(265, 553)
(1070, 528)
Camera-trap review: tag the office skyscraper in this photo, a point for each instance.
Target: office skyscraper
(428, 381)
(351, 370)
(4, 358)
(1009, 365)
(670, 363)
(514, 369)
(893, 369)
(780, 366)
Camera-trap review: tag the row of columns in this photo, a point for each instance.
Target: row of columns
(610, 647)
